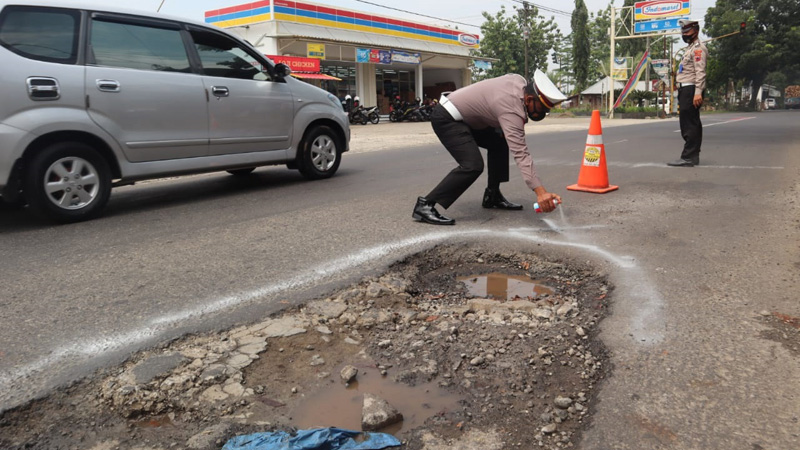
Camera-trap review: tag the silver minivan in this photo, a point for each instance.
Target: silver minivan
(97, 98)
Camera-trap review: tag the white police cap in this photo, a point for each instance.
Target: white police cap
(547, 92)
(688, 24)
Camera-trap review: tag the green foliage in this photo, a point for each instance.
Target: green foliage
(599, 43)
(767, 51)
(563, 75)
(581, 48)
(628, 47)
(503, 39)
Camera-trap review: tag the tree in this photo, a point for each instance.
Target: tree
(628, 47)
(562, 58)
(503, 39)
(600, 44)
(768, 50)
(580, 44)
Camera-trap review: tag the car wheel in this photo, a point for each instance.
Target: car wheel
(67, 182)
(241, 172)
(320, 154)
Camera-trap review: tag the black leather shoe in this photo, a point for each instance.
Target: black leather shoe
(494, 199)
(425, 211)
(683, 163)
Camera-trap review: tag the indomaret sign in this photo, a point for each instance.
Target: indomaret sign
(657, 9)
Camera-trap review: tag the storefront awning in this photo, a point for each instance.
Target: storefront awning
(315, 76)
(300, 30)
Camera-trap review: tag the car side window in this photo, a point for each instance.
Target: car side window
(138, 46)
(224, 57)
(45, 34)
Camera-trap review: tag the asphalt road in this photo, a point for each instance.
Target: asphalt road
(694, 253)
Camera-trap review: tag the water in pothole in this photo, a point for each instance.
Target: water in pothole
(501, 286)
(338, 406)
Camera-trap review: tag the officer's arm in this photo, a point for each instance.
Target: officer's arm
(700, 57)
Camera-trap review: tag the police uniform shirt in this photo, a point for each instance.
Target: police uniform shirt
(693, 66)
(498, 103)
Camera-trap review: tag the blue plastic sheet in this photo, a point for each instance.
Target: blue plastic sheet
(316, 439)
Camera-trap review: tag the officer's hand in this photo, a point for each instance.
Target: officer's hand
(546, 201)
(698, 101)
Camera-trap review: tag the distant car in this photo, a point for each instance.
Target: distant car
(770, 103)
(792, 103)
(95, 97)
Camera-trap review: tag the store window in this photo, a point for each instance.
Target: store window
(391, 83)
(347, 74)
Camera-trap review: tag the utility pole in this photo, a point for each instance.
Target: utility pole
(525, 34)
(647, 68)
(611, 64)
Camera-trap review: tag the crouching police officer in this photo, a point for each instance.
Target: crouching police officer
(491, 114)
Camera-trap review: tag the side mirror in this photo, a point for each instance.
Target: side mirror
(282, 70)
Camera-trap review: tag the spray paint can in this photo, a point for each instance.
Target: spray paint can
(538, 209)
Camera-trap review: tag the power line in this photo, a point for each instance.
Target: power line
(418, 14)
(546, 8)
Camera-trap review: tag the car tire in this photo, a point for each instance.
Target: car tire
(241, 172)
(67, 182)
(320, 153)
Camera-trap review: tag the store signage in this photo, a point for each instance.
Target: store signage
(469, 40)
(482, 65)
(315, 51)
(404, 57)
(373, 55)
(650, 26)
(657, 9)
(296, 63)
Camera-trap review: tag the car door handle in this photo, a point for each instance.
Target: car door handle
(108, 85)
(220, 91)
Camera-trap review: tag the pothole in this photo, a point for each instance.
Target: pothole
(518, 365)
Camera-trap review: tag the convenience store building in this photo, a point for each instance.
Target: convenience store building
(348, 52)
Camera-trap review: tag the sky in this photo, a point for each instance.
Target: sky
(464, 11)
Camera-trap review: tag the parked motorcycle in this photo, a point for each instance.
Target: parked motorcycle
(372, 114)
(401, 111)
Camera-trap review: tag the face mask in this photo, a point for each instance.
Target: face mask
(537, 114)
(688, 38)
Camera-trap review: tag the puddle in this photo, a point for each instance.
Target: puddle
(337, 406)
(501, 286)
(155, 422)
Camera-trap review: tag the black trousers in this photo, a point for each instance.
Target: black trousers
(691, 127)
(463, 144)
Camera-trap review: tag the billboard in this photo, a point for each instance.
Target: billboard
(657, 9)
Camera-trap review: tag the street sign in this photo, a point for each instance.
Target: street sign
(651, 26)
(657, 9)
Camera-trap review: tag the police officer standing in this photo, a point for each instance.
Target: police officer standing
(692, 82)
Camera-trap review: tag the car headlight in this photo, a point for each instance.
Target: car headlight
(334, 100)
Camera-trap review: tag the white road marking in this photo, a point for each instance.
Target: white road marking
(701, 166)
(739, 119)
(637, 288)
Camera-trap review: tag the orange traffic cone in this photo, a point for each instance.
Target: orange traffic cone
(594, 175)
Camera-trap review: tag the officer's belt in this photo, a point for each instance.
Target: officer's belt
(451, 108)
(686, 84)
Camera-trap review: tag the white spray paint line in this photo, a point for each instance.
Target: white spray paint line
(96, 348)
(701, 166)
(722, 123)
(662, 165)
